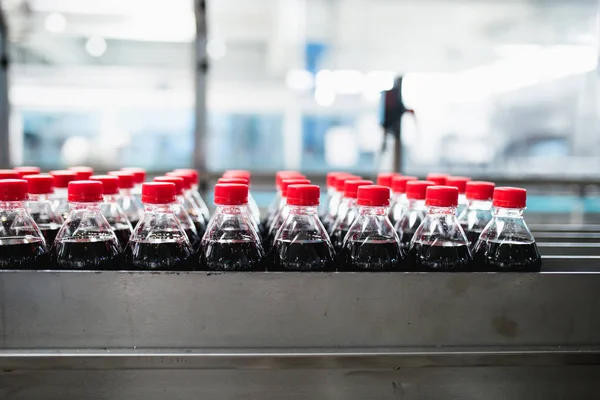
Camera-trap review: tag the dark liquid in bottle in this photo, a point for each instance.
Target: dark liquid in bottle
(427, 258)
(160, 256)
(23, 253)
(337, 238)
(49, 231)
(134, 223)
(231, 256)
(377, 255)
(405, 239)
(193, 237)
(301, 256)
(122, 235)
(81, 254)
(472, 237)
(507, 257)
(200, 227)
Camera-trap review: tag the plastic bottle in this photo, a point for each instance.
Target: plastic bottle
(158, 242)
(278, 202)
(27, 170)
(86, 240)
(230, 242)
(440, 244)
(413, 214)
(130, 205)
(459, 182)
(479, 210)
(255, 224)
(438, 179)
(9, 174)
(371, 243)
(506, 243)
(195, 193)
(243, 174)
(399, 202)
(111, 209)
(139, 177)
(336, 198)
(61, 183)
(180, 212)
(22, 245)
(39, 206)
(347, 213)
(82, 173)
(189, 203)
(385, 178)
(302, 244)
(283, 211)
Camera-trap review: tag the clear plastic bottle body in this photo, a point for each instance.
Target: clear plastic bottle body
(272, 210)
(412, 217)
(324, 205)
(116, 218)
(186, 222)
(197, 198)
(506, 244)
(22, 245)
(253, 208)
(131, 206)
(159, 242)
(195, 213)
(439, 243)
(474, 219)
(278, 220)
(399, 205)
(86, 240)
(49, 221)
(348, 212)
(371, 243)
(231, 242)
(301, 243)
(334, 205)
(59, 202)
(463, 203)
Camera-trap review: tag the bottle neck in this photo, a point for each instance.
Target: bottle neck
(39, 197)
(125, 192)
(11, 205)
(480, 205)
(231, 209)
(111, 198)
(372, 210)
(303, 210)
(158, 208)
(441, 210)
(416, 204)
(508, 212)
(60, 193)
(76, 206)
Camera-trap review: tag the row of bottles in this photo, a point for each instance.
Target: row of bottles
(357, 228)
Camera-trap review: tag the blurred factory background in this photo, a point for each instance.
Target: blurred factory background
(499, 88)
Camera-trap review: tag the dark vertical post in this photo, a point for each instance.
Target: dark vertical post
(4, 104)
(201, 70)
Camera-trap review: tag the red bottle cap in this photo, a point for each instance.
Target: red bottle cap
(303, 195)
(62, 178)
(82, 172)
(399, 183)
(158, 193)
(39, 184)
(125, 179)
(373, 195)
(235, 173)
(231, 194)
(13, 190)
(287, 182)
(331, 176)
(139, 174)
(110, 183)
(416, 190)
(438, 179)
(480, 190)
(441, 196)
(9, 174)
(340, 181)
(27, 170)
(188, 179)
(351, 187)
(281, 175)
(240, 180)
(189, 171)
(176, 180)
(459, 182)
(85, 191)
(385, 178)
(510, 197)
